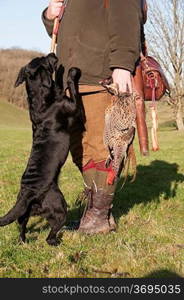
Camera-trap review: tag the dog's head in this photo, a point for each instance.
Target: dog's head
(38, 72)
(39, 84)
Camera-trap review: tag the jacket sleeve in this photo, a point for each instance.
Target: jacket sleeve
(47, 23)
(124, 27)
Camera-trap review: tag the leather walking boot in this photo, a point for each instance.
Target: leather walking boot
(96, 217)
(87, 199)
(101, 178)
(95, 181)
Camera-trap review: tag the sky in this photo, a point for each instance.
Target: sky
(21, 25)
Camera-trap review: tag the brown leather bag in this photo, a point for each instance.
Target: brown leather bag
(154, 81)
(155, 85)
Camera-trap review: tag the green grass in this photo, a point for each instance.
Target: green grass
(149, 241)
(13, 117)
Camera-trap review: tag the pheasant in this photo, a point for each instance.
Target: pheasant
(119, 131)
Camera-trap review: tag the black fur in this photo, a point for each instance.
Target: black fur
(52, 114)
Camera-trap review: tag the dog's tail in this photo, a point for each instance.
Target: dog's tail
(18, 210)
(14, 213)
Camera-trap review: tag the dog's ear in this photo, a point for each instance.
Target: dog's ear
(21, 77)
(50, 62)
(28, 70)
(34, 65)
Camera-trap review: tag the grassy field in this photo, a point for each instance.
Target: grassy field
(149, 241)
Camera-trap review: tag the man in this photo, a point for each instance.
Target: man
(102, 38)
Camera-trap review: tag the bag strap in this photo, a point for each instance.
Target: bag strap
(144, 7)
(106, 3)
(56, 26)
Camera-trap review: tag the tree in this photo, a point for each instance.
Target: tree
(165, 37)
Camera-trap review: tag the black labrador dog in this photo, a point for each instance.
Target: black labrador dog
(52, 113)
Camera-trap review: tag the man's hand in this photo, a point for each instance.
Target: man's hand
(123, 78)
(53, 9)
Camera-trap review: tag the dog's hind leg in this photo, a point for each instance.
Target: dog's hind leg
(56, 225)
(54, 209)
(23, 220)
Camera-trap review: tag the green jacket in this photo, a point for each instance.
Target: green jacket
(97, 39)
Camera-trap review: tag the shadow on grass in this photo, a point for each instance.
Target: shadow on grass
(159, 179)
(162, 274)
